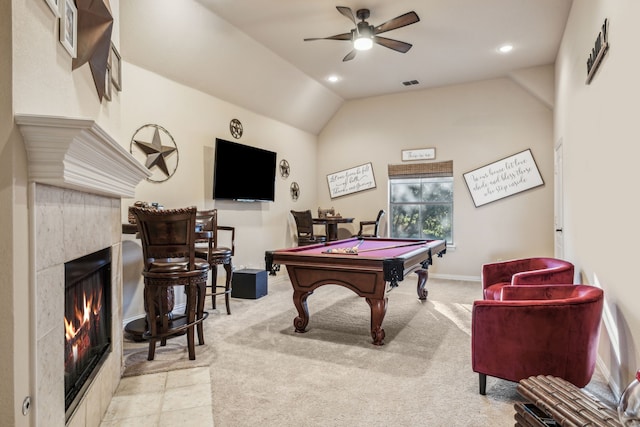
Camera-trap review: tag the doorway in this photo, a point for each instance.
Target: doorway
(558, 205)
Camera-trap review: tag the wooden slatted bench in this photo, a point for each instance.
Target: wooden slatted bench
(566, 405)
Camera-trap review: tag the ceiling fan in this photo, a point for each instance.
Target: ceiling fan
(364, 35)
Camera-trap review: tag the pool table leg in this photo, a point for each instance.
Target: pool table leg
(300, 301)
(378, 310)
(423, 274)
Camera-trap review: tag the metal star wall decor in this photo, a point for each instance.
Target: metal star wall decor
(160, 159)
(236, 128)
(95, 24)
(284, 168)
(294, 190)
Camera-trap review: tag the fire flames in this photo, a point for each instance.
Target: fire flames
(77, 330)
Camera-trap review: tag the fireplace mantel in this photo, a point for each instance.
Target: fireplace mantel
(78, 154)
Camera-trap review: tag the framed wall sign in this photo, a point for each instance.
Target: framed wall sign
(69, 27)
(116, 67)
(358, 178)
(598, 51)
(53, 5)
(503, 178)
(107, 84)
(419, 154)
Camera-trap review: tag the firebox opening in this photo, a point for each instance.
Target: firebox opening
(87, 322)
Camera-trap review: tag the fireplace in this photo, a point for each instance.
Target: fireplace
(87, 322)
(78, 175)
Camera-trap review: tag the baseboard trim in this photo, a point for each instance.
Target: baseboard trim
(455, 277)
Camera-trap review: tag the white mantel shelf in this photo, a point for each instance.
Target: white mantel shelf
(78, 154)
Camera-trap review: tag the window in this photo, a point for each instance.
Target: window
(421, 201)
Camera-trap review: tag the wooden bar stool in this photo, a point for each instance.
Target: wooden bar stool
(216, 255)
(168, 246)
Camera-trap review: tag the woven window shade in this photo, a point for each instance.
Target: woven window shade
(421, 170)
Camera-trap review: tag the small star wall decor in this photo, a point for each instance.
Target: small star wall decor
(160, 159)
(294, 189)
(236, 128)
(284, 168)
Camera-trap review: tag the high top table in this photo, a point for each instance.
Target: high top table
(331, 224)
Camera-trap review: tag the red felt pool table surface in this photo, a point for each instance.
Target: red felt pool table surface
(372, 248)
(378, 264)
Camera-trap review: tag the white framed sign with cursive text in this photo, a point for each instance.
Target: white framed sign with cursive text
(419, 154)
(358, 178)
(503, 178)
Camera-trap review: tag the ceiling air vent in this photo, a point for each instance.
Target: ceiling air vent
(411, 82)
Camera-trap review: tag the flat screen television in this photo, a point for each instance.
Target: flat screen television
(243, 173)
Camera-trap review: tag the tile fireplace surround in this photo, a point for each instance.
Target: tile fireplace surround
(78, 175)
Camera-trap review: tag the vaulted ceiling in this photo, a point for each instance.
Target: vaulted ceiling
(252, 52)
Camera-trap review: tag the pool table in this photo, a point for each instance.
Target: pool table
(374, 267)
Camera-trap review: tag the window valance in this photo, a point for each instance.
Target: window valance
(421, 170)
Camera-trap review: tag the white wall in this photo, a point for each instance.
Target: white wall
(7, 280)
(39, 80)
(598, 124)
(163, 35)
(44, 82)
(473, 125)
(195, 120)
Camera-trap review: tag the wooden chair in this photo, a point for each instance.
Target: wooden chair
(371, 228)
(168, 247)
(215, 254)
(304, 226)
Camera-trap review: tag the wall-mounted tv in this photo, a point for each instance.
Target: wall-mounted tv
(243, 173)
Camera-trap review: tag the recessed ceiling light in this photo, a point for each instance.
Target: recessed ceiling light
(333, 79)
(506, 48)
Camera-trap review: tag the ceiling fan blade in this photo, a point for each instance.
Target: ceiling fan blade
(349, 56)
(344, 36)
(346, 11)
(397, 22)
(392, 44)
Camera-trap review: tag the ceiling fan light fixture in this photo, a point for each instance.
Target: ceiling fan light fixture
(364, 36)
(363, 43)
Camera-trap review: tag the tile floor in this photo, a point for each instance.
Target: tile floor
(163, 399)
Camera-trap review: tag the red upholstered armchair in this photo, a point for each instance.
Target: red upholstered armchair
(525, 271)
(537, 330)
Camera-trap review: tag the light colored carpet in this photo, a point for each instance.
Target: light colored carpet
(263, 373)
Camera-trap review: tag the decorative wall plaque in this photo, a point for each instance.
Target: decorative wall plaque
(161, 159)
(419, 154)
(95, 24)
(68, 31)
(115, 64)
(358, 178)
(53, 5)
(503, 178)
(294, 189)
(236, 128)
(284, 168)
(598, 52)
